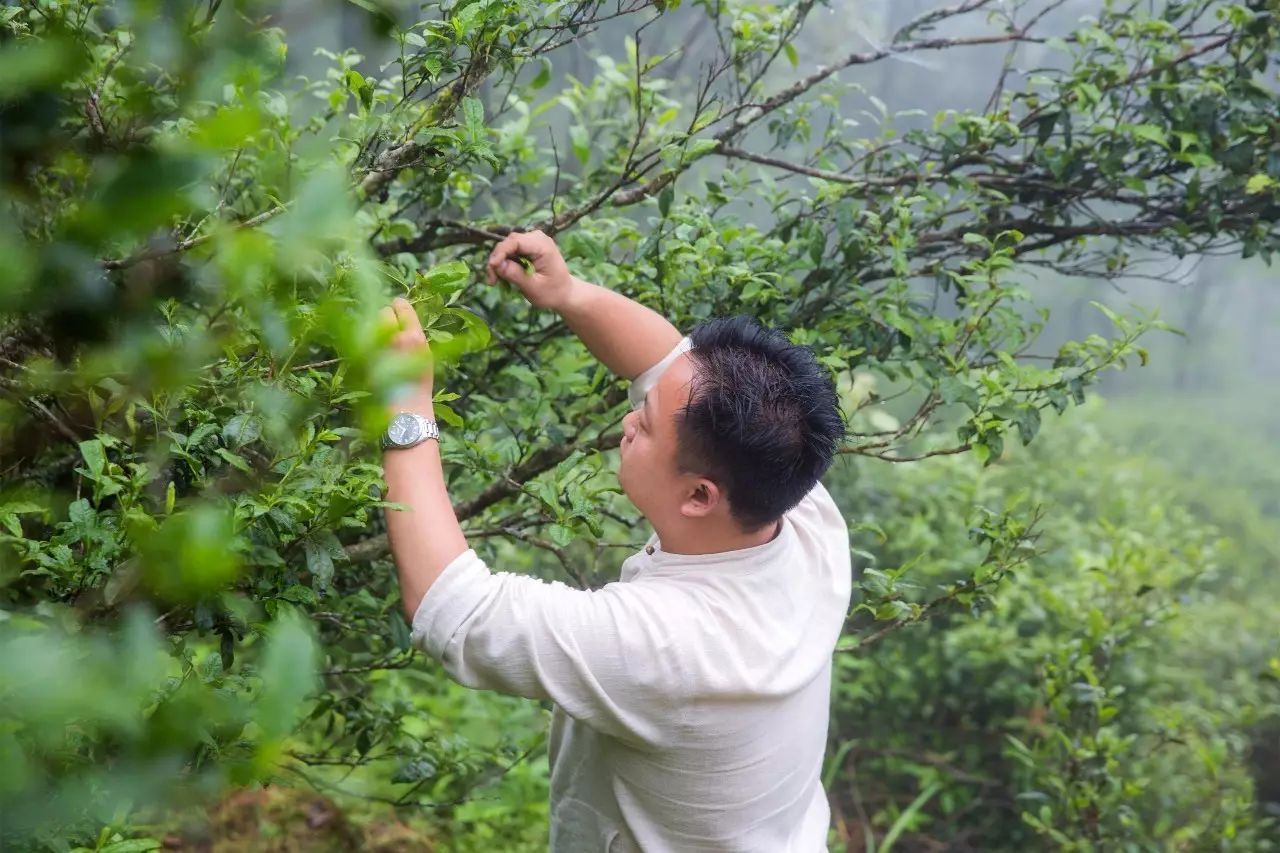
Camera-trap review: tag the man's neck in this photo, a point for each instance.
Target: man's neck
(694, 541)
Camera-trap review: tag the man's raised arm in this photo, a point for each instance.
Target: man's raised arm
(627, 337)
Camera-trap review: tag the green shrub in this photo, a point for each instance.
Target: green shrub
(1105, 698)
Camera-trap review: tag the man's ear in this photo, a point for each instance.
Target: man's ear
(702, 500)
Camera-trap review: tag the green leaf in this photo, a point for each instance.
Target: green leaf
(982, 452)
(1259, 183)
(560, 534)
(581, 143)
(465, 20)
(1151, 133)
(288, 674)
(447, 414)
(664, 200)
(140, 192)
(37, 63)
(994, 443)
(94, 456)
(905, 820)
(299, 594)
(446, 279)
(228, 127)
(543, 77)
(399, 630)
(239, 431)
(236, 461)
(465, 331)
(1044, 127)
(191, 554)
(319, 564)
(892, 610)
(702, 147)
(792, 56)
(81, 513)
(473, 118)
(1028, 421)
(131, 845)
(415, 771)
(199, 434)
(1111, 315)
(20, 507)
(953, 390)
(1089, 92)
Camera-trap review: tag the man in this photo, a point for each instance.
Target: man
(691, 697)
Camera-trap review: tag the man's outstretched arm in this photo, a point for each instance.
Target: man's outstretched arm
(627, 337)
(426, 537)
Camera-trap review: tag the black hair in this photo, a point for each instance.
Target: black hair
(763, 419)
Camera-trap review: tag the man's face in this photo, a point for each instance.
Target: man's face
(647, 468)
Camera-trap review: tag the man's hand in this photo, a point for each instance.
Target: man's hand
(548, 284)
(622, 333)
(409, 337)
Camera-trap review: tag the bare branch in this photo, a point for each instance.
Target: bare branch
(927, 19)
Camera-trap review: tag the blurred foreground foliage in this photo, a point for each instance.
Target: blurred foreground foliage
(194, 588)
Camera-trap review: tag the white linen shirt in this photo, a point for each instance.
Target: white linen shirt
(691, 696)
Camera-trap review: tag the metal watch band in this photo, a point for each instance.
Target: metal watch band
(414, 426)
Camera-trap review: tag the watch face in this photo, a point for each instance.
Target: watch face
(403, 429)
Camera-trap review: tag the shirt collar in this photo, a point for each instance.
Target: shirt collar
(763, 552)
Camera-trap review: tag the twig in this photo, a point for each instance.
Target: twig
(1028, 535)
(61, 427)
(184, 245)
(93, 106)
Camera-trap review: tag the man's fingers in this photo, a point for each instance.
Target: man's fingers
(387, 318)
(406, 316)
(496, 258)
(402, 321)
(407, 341)
(513, 271)
(509, 245)
(517, 258)
(532, 246)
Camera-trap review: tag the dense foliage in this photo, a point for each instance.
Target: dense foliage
(193, 244)
(1121, 692)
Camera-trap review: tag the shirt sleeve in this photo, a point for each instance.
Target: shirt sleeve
(605, 656)
(641, 384)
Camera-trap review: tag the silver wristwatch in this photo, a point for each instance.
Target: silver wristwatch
(408, 429)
